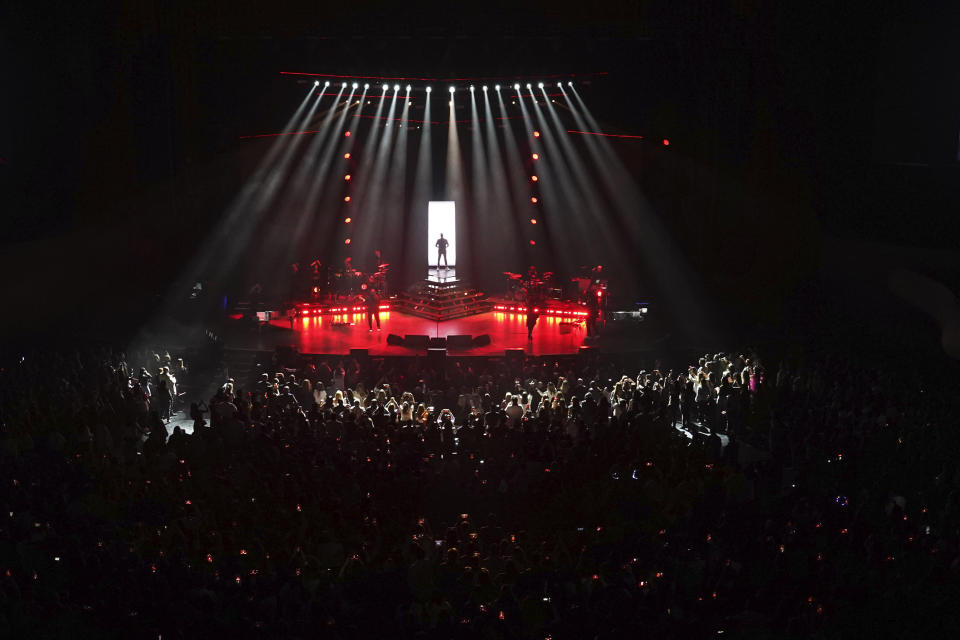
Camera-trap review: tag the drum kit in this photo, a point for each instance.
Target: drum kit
(347, 283)
(546, 285)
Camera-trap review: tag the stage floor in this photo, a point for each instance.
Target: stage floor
(339, 334)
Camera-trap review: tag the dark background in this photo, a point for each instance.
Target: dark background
(788, 121)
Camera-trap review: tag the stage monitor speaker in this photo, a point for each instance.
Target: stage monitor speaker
(362, 356)
(394, 340)
(415, 341)
(459, 341)
(437, 358)
(482, 340)
(514, 355)
(438, 343)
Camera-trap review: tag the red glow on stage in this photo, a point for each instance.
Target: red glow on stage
(600, 294)
(347, 177)
(347, 241)
(536, 156)
(536, 134)
(347, 220)
(533, 221)
(534, 178)
(666, 142)
(534, 200)
(346, 134)
(346, 156)
(606, 135)
(346, 198)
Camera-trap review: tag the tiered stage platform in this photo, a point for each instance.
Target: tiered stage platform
(441, 296)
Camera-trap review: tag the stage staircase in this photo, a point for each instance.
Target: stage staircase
(440, 299)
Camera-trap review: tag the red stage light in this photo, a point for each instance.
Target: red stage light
(534, 200)
(536, 134)
(533, 221)
(534, 178)
(346, 198)
(347, 241)
(666, 142)
(347, 177)
(346, 134)
(536, 156)
(347, 220)
(346, 156)
(533, 242)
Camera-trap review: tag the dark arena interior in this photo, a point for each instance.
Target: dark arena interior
(485, 320)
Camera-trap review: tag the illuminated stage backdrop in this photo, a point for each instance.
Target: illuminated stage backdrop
(441, 218)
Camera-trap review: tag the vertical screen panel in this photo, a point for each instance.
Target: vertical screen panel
(441, 218)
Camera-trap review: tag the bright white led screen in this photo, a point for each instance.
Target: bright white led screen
(441, 218)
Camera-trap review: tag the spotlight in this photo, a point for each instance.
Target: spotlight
(347, 220)
(385, 87)
(327, 83)
(534, 199)
(355, 85)
(528, 85)
(484, 87)
(346, 134)
(347, 241)
(429, 89)
(532, 178)
(666, 142)
(396, 87)
(517, 86)
(540, 86)
(452, 89)
(570, 84)
(346, 156)
(343, 84)
(316, 82)
(366, 85)
(346, 198)
(532, 242)
(533, 221)
(497, 87)
(471, 87)
(408, 88)
(535, 156)
(347, 177)
(536, 134)
(559, 84)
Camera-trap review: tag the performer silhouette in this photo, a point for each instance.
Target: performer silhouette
(441, 246)
(373, 306)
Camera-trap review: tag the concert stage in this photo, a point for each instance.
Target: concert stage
(338, 334)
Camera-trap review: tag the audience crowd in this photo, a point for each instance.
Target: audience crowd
(567, 499)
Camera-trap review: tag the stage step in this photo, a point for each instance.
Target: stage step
(442, 301)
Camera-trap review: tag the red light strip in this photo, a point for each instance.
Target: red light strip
(607, 135)
(415, 79)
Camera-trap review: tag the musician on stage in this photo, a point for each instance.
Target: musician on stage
(441, 246)
(532, 292)
(372, 300)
